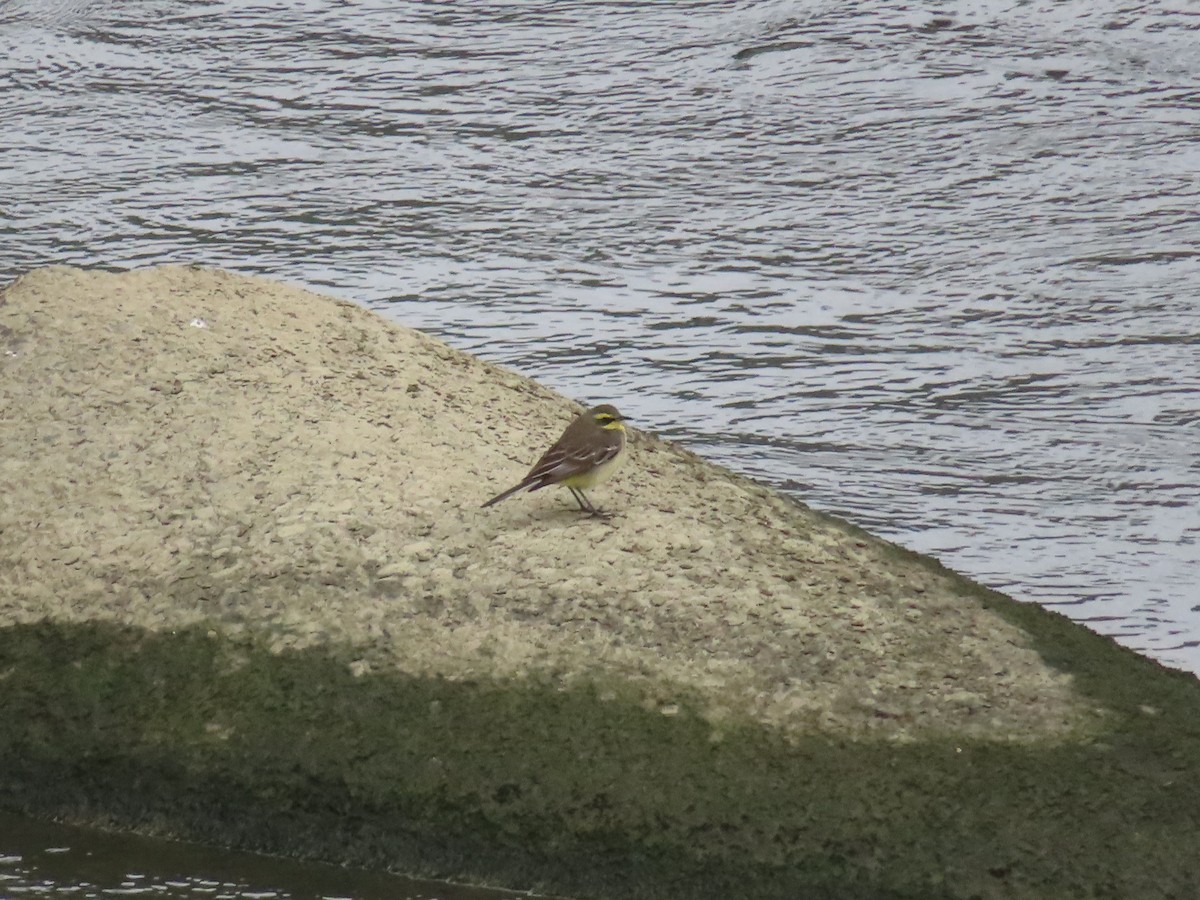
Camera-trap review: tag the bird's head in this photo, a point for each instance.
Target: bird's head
(606, 416)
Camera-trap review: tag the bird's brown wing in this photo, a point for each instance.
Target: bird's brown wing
(561, 462)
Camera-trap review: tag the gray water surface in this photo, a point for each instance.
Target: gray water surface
(935, 268)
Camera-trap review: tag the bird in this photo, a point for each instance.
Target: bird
(587, 453)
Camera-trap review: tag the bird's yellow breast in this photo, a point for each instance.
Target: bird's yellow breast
(590, 479)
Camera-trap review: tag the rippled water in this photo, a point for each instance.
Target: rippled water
(40, 860)
(935, 269)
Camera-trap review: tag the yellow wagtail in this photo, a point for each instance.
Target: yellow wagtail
(586, 454)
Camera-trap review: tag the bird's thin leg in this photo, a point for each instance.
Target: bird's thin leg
(581, 500)
(596, 512)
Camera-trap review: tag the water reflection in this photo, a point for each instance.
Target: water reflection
(934, 271)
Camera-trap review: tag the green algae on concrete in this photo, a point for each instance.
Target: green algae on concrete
(247, 597)
(579, 790)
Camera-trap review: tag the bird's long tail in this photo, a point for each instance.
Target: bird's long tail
(532, 484)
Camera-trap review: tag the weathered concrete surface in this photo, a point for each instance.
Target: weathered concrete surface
(247, 596)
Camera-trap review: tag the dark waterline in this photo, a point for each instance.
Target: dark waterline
(48, 860)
